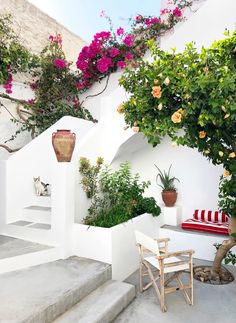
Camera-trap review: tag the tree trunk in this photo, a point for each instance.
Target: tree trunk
(223, 249)
(221, 253)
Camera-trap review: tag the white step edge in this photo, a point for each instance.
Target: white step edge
(41, 201)
(37, 214)
(102, 305)
(30, 259)
(28, 233)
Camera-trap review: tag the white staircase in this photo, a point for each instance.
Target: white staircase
(70, 290)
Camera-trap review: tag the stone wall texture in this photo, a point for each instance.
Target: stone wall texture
(35, 26)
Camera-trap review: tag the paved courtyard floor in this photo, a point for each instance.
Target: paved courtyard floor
(212, 303)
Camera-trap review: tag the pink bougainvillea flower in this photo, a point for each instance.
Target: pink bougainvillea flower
(129, 56)
(151, 21)
(102, 35)
(121, 64)
(30, 101)
(114, 52)
(128, 41)
(138, 17)
(102, 13)
(177, 12)
(164, 11)
(103, 64)
(34, 85)
(82, 65)
(59, 63)
(8, 83)
(56, 39)
(120, 31)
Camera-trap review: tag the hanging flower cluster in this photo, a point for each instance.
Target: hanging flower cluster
(111, 50)
(7, 85)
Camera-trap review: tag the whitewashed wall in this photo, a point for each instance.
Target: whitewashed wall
(204, 26)
(199, 179)
(37, 158)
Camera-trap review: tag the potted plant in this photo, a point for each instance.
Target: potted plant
(166, 182)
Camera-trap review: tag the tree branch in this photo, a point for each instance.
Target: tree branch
(10, 150)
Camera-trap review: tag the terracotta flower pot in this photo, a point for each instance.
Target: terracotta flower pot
(169, 197)
(63, 142)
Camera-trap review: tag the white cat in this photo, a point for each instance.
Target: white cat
(41, 189)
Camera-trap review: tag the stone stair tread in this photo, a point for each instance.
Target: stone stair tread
(42, 293)
(12, 247)
(102, 305)
(37, 208)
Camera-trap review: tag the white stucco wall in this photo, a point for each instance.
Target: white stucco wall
(199, 179)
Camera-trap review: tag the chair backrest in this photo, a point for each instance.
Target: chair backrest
(147, 242)
(211, 216)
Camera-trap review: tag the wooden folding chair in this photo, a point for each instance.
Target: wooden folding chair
(154, 254)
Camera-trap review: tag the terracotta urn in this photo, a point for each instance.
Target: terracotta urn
(63, 142)
(169, 197)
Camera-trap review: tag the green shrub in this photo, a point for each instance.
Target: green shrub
(118, 198)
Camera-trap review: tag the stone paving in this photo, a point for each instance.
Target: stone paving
(212, 304)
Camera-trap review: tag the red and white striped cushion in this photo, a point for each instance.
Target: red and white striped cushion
(210, 216)
(199, 225)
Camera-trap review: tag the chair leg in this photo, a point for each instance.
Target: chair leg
(186, 295)
(162, 287)
(163, 306)
(141, 277)
(191, 281)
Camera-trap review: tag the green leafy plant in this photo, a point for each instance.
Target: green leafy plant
(195, 92)
(90, 181)
(118, 197)
(230, 257)
(167, 182)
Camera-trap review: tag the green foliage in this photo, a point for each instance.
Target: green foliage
(56, 94)
(119, 199)
(57, 89)
(230, 257)
(195, 92)
(90, 181)
(167, 182)
(14, 57)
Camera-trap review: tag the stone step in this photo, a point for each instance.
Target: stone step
(18, 253)
(37, 214)
(102, 305)
(30, 231)
(41, 201)
(42, 293)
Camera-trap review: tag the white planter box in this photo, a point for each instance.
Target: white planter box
(115, 245)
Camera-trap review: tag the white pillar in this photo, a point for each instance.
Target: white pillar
(3, 196)
(63, 205)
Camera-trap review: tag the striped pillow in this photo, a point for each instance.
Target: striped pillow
(210, 216)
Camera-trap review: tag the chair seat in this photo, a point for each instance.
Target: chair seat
(155, 263)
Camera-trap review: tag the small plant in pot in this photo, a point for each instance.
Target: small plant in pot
(166, 182)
